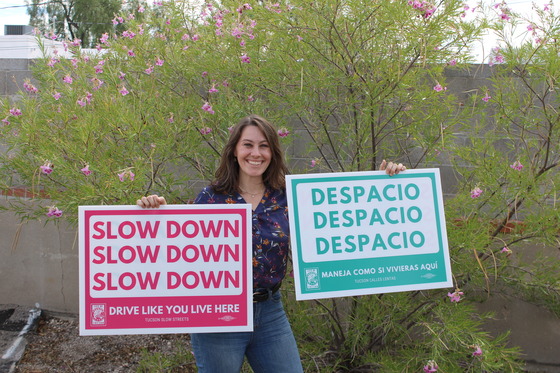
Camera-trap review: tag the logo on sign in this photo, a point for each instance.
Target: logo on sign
(98, 315)
(312, 278)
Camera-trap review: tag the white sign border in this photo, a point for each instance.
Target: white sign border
(83, 331)
(372, 290)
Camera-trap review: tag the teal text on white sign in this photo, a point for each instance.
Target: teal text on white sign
(358, 233)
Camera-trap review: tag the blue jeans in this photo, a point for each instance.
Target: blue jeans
(270, 347)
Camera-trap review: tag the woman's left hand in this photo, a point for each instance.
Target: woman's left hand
(391, 168)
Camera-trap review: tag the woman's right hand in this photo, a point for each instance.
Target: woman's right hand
(391, 168)
(153, 201)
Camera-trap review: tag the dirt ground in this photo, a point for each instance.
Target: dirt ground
(55, 346)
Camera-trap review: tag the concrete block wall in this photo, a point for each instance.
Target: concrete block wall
(39, 263)
(13, 73)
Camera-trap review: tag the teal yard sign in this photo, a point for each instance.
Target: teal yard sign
(357, 233)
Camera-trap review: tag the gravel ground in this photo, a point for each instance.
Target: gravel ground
(55, 346)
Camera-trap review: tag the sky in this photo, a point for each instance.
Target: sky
(13, 12)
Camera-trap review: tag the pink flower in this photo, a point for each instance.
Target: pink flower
(299, 38)
(54, 212)
(486, 98)
(204, 74)
(171, 118)
(283, 132)
(205, 130)
(476, 192)
(250, 98)
(15, 112)
(244, 7)
(52, 62)
(126, 174)
(86, 171)
(30, 87)
(128, 34)
(131, 53)
(439, 88)
(516, 166)
(159, 62)
(496, 57)
(97, 83)
(57, 95)
(245, 58)
(208, 108)
(121, 75)
(124, 91)
(431, 367)
(453, 62)
(6, 121)
(455, 297)
(274, 8)
(76, 43)
(213, 89)
(313, 163)
(149, 70)
(424, 7)
(103, 39)
(477, 351)
(429, 12)
(237, 32)
(506, 250)
(46, 168)
(67, 79)
(81, 102)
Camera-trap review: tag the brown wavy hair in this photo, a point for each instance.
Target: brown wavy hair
(227, 175)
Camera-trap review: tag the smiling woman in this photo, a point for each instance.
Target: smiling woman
(252, 171)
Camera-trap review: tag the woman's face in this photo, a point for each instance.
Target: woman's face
(253, 152)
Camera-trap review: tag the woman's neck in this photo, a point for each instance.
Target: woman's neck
(251, 185)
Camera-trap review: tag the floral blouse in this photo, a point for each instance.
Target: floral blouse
(271, 233)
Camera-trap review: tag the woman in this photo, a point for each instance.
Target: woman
(252, 170)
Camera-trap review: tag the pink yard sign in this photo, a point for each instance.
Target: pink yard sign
(176, 269)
